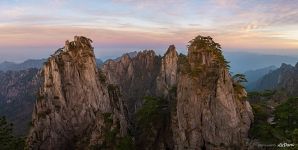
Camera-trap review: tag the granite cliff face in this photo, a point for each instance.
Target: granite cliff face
(205, 107)
(211, 112)
(135, 76)
(72, 102)
(170, 102)
(167, 77)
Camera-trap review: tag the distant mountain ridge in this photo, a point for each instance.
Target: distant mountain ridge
(253, 76)
(30, 63)
(241, 62)
(284, 78)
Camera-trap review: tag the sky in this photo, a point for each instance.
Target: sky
(36, 28)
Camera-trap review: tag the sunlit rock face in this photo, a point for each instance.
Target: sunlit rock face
(71, 101)
(211, 114)
(167, 77)
(206, 111)
(199, 106)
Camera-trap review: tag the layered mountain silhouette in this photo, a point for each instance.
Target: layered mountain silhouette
(284, 78)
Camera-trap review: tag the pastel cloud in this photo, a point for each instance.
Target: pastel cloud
(246, 25)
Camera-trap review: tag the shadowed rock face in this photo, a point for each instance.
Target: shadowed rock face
(202, 108)
(135, 76)
(71, 100)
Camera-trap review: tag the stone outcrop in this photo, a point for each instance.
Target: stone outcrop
(135, 76)
(167, 77)
(206, 109)
(72, 101)
(170, 102)
(211, 114)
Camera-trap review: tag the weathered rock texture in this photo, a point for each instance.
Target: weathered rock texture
(135, 76)
(206, 109)
(72, 101)
(211, 113)
(167, 78)
(191, 102)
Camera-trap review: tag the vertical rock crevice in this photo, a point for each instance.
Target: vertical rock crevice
(170, 102)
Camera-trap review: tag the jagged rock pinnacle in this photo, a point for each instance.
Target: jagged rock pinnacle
(72, 100)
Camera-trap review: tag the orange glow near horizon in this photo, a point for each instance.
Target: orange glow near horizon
(265, 27)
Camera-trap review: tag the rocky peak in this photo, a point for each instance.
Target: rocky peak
(125, 59)
(285, 66)
(210, 114)
(167, 78)
(204, 51)
(79, 43)
(186, 102)
(72, 101)
(135, 76)
(146, 53)
(171, 50)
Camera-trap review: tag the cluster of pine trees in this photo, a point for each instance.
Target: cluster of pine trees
(7, 140)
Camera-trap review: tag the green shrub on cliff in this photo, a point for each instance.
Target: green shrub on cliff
(153, 109)
(207, 44)
(238, 80)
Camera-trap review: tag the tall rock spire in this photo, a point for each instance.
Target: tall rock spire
(210, 113)
(71, 99)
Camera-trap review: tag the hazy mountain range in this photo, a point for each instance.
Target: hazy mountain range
(239, 62)
(242, 62)
(253, 76)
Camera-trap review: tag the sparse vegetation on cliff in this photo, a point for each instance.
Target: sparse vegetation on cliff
(201, 50)
(153, 109)
(102, 77)
(184, 66)
(238, 80)
(152, 120)
(206, 44)
(112, 140)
